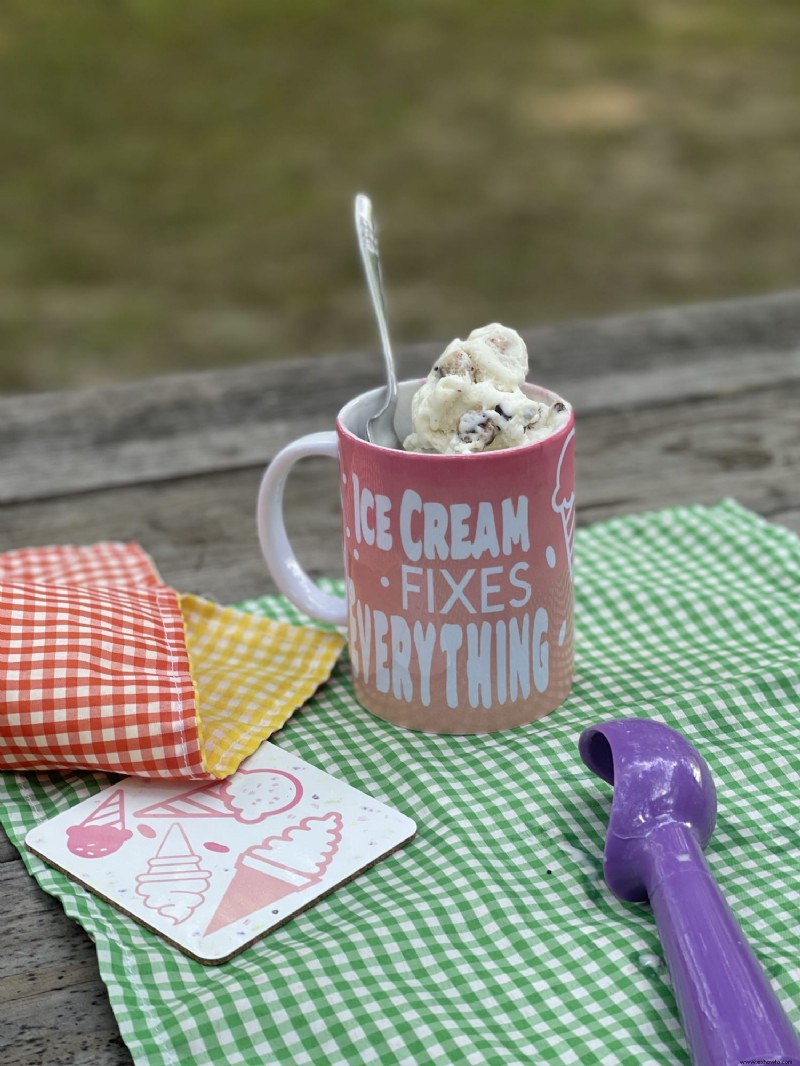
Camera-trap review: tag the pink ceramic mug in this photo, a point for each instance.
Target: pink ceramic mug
(458, 571)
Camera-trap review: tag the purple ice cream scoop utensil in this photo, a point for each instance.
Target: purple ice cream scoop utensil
(662, 816)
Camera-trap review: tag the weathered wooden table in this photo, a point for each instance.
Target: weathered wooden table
(681, 406)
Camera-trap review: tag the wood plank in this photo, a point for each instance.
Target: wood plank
(71, 1027)
(70, 961)
(53, 1002)
(201, 530)
(789, 518)
(8, 852)
(57, 443)
(743, 446)
(24, 899)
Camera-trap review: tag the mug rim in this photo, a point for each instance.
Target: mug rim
(536, 392)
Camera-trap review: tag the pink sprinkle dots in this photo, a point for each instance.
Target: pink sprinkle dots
(210, 845)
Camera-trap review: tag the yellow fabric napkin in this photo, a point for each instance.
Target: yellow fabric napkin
(250, 675)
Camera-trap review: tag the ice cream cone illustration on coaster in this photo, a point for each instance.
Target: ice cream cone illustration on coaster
(103, 832)
(564, 502)
(249, 796)
(174, 884)
(280, 865)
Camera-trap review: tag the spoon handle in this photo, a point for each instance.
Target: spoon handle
(729, 1011)
(368, 245)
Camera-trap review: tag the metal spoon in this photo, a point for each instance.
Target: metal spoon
(380, 427)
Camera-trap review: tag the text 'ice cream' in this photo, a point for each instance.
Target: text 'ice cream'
(472, 400)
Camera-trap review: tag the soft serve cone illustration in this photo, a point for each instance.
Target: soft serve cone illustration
(278, 866)
(174, 884)
(102, 832)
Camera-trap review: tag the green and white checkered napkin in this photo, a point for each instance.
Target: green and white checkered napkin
(491, 938)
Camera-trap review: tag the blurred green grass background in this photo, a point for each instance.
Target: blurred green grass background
(177, 179)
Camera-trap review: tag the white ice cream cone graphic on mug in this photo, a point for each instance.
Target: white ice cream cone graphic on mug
(174, 883)
(563, 502)
(280, 865)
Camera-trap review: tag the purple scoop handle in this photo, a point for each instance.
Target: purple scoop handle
(729, 1012)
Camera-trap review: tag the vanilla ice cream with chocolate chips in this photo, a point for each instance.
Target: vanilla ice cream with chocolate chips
(472, 400)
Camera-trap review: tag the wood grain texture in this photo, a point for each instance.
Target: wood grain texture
(201, 529)
(72, 1026)
(687, 405)
(53, 1005)
(58, 443)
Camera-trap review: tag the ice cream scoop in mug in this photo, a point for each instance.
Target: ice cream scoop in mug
(458, 570)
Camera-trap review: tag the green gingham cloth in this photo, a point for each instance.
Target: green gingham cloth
(492, 938)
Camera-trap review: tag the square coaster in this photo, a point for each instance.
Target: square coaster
(214, 867)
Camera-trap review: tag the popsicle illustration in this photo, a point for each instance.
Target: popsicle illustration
(564, 504)
(249, 796)
(103, 832)
(280, 865)
(174, 883)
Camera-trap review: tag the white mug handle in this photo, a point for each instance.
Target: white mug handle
(287, 572)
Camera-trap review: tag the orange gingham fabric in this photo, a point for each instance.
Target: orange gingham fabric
(104, 667)
(109, 563)
(94, 671)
